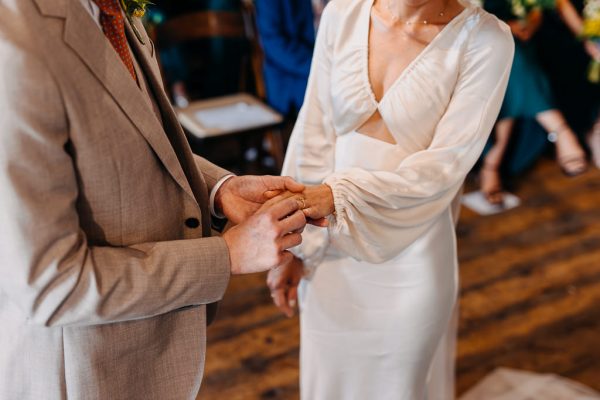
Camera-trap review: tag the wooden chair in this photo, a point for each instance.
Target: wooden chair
(234, 25)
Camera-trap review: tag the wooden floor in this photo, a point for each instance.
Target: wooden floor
(530, 299)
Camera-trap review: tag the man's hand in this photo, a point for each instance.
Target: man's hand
(261, 242)
(283, 282)
(240, 197)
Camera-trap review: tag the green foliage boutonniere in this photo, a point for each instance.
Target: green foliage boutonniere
(135, 9)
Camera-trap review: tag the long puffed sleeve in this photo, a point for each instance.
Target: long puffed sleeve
(379, 214)
(310, 154)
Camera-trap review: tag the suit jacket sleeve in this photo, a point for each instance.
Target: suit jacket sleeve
(211, 172)
(47, 267)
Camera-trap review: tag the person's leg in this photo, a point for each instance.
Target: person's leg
(569, 153)
(491, 183)
(593, 139)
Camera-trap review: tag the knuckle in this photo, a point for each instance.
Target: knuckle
(262, 217)
(267, 214)
(301, 216)
(293, 202)
(277, 231)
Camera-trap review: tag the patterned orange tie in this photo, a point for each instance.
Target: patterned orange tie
(113, 25)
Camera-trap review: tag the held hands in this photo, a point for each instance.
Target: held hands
(283, 282)
(270, 215)
(241, 196)
(316, 203)
(261, 241)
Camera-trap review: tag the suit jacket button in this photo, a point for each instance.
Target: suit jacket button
(192, 223)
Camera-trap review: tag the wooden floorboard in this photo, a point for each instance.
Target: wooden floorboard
(530, 299)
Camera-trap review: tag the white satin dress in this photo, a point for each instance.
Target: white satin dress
(382, 279)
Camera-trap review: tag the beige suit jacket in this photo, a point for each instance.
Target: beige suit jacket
(103, 285)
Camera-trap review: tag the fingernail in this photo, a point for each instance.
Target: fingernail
(292, 303)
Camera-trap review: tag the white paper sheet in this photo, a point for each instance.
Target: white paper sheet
(234, 117)
(510, 384)
(477, 202)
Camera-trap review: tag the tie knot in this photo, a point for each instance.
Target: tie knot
(109, 7)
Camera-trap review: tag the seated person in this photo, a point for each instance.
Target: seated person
(528, 96)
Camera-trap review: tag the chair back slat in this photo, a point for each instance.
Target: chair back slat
(202, 25)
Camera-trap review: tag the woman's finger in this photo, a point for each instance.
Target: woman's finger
(292, 297)
(314, 213)
(321, 222)
(279, 299)
(277, 198)
(273, 202)
(271, 193)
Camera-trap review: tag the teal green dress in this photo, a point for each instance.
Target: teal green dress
(528, 92)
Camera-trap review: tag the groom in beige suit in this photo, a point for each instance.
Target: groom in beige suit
(107, 263)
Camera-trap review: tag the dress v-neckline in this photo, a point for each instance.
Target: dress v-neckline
(410, 65)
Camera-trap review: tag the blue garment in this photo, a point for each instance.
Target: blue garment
(287, 33)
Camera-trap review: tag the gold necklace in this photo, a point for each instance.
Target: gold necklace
(396, 18)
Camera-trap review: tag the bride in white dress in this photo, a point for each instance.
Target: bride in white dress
(401, 99)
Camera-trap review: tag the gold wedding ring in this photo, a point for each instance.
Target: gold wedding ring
(303, 200)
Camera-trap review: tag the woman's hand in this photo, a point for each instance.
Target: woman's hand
(283, 282)
(318, 202)
(518, 29)
(525, 29)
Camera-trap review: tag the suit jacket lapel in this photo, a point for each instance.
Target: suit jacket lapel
(171, 123)
(84, 37)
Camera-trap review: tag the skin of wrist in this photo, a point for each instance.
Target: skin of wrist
(330, 199)
(219, 194)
